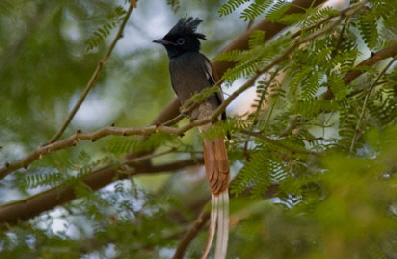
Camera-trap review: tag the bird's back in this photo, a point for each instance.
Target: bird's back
(189, 75)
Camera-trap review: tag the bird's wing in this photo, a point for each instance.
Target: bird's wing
(213, 77)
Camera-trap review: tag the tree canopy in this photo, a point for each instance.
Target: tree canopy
(96, 160)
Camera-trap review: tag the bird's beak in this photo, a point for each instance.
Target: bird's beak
(164, 42)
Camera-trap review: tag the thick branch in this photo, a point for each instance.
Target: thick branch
(383, 54)
(191, 233)
(29, 208)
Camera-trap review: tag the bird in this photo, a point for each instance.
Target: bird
(190, 73)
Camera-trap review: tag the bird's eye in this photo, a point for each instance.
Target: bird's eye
(180, 41)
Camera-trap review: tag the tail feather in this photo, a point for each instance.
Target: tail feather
(216, 165)
(222, 232)
(218, 175)
(211, 234)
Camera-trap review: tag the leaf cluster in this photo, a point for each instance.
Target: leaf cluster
(103, 32)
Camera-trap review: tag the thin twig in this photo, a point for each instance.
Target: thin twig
(41, 151)
(182, 115)
(94, 76)
(314, 26)
(149, 156)
(192, 233)
(290, 127)
(368, 94)
(383, 54)
(262, 100)
(278, 143)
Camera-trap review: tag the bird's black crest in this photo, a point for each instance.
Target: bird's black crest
(186, 26)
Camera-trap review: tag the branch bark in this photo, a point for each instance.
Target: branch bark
(388, 52)
(191, 233)
(29, 208)
(41, 151)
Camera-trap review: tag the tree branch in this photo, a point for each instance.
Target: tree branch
(192, 233)
(94, 76)
(31, 207)
(41, 151)
(388, 52)
(364, 106)
(278, 143)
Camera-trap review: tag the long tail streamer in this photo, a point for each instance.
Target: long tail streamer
(218, 175)
(222, 232)
(220, 222)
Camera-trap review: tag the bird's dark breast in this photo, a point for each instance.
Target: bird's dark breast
(188, 76)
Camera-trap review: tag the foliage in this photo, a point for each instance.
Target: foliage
(175, 4)
(103, 32)
(313, 158)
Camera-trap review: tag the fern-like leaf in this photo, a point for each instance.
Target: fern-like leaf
(255, 9)
(337, 86)
(254, 173)
(233, 55)
(103, 32)
(230, 6)
(312, 108)
(257, 38)
(368, 30)
(277, 10)
(310, 85)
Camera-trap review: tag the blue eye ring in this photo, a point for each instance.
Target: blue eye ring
(180, 41)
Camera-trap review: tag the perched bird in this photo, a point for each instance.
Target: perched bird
(191, 72)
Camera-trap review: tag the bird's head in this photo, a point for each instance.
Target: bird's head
(182, 37)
